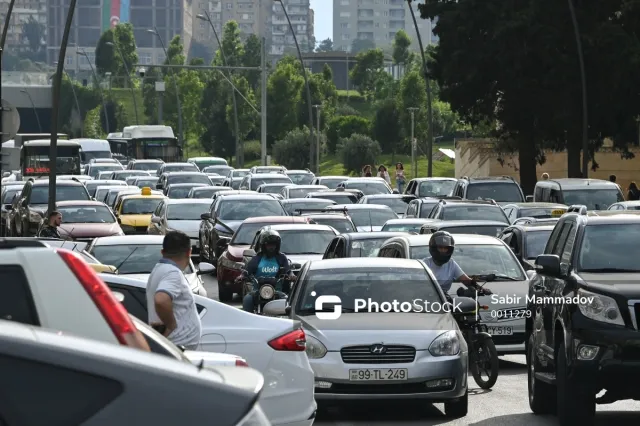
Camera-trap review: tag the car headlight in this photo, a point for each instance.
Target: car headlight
(315, 349)
(267, 292)
(446, 344)
(599, 307)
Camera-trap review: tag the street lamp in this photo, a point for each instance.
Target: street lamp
(239, 147)
(306, 83)
(414, 163)
(318, 108)
(75, 97)
(175, 83)
(5, 28)
(95, 78)
(429, 101)
(126, 69)
(33, 106)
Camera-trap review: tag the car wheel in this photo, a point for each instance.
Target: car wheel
(575, 405)
(225, 294)
(459, 408)
(542, 396)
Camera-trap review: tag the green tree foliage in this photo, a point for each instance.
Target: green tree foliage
(401, 43)
(325, 45)
(360, 45)
(387, 128)
(412, 94)
(92, 124)
(126, 44)
(369, 64)
(34, 32)
(357, 151)
(341, 127)
(251, 57)
(117, 117)
(284, 99)
(293, 149)
(344, 109)
(247, 117)
(106, 57)
(327, 72)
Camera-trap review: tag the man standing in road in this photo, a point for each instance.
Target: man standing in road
(50, 230)
(170, 301)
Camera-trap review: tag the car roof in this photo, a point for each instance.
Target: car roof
(183, 173)
(366, 179)
(615, 219)
(374, 235)
(533, 227)
(179, 163)
(629, 203)
(306, 172)
(374, 196)
(321, 192)
(425, 179)
(170, 201)
(294, 186)
(534, 205)
(574, 183)
(148, 160)
(333, 177)
(192, 185)
(141, 197)
(364, 262)
(423, 239)
(479, 203)
(411, 220)
(306, 200)
(495, 179)
(454, 223)
(129, 239)
(79, 203)
(325, 215)
(300, 227)
(268, 175)
(359, 207)
(64, 182)
(275, 219)
(274, 184)
(257, 196)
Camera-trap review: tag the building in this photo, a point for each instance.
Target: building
(341, 64)
(378, 21)
(301, 17)
(23, 10)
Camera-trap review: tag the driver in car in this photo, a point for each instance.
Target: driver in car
(266, 264)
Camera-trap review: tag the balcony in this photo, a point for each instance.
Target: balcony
(365, 25)
(365, 13)
(365, 35)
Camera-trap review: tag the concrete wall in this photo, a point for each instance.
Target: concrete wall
(477, 157)
(41, 96)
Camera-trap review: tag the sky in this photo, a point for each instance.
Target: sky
(323, 21)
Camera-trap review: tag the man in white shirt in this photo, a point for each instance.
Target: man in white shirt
(170, 302)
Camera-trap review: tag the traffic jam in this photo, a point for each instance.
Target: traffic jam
(296, 299)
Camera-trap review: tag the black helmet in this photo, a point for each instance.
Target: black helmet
(270, 237)
(441, 239)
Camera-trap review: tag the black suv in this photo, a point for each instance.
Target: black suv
(502, 189)
(584, 307)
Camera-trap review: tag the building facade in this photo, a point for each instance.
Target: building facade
(23, 11)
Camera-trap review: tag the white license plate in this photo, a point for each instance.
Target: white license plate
(500, 331)
(378, 374)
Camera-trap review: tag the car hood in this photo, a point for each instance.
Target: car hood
(369, 228)
(135, 219)
(625, 284)
(189, 227)
(84, 230)
(301, 259)
(414, 329)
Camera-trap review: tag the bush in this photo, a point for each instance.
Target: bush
(293, 151)
(345, 109)
(358, 151)
(252, 151)
(92, 124)
(343, 127)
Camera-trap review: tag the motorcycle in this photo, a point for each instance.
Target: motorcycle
(483, 356)
(267, 289)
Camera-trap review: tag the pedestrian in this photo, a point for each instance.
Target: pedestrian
(400, 178)
(366, 171)
(50, 229)
(613, 178)
(545, 176)
(384, 174)
(170, 301)
(634, 193)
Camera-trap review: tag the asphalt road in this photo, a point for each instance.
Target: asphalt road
(504, 405)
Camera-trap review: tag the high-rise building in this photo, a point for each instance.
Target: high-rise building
(23, 11)
(378, 21)
(301, 17)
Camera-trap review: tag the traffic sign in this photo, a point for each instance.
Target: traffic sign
(10, 121)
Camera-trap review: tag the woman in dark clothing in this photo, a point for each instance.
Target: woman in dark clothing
(366, 171)
(634, 193)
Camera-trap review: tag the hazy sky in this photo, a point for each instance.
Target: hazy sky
(323, 19)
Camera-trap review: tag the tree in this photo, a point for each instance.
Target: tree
(369, 65)
(247, 117)
(342, 127)
(325, 45)
(251, 57)
(216, 138)
(284, 96)
(412, 95)
(34, 32)
(106, 57)
(387, 128)
(401, 43)
(358, 151)
(327, 72)
(293, 149)
(360, 45)
(126, 44)
(232, 45)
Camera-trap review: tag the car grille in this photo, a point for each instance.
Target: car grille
(372, 389)
(395, 354)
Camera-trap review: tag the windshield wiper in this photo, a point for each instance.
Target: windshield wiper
(505, 277)
(605, 270)
(126, 258)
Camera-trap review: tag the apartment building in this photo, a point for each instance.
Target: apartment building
(23, 10)
(301, 16)
(376, 20)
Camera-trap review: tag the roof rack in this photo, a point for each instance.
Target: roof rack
(581, 209)
(484, 200)
(446, 197)
(324, 210)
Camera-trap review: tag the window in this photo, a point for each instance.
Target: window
(136, 306)
(16, 303)
(560, 243)
(40, 194)
(345, 14)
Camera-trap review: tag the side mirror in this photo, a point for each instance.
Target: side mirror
(531, 273)
(395, 191)
(529, 198)
(275, 308)
(205, 216)
(120, 221)
(249, 253)
(548, 264)
(119, 296)
(463, 306)
(158, 186)
(205, 268)
(223, 242)
(155, 219)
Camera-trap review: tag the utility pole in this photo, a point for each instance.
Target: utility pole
(414, 162)
(318, 108)
(263, 103)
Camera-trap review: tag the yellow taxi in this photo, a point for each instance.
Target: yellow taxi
(134, 211)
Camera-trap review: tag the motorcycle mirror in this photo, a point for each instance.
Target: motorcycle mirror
(490, 277)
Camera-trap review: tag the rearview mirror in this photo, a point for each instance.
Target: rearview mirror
(155, 219)
(205, 268)
(119, 296)
(275, 308)
(548, 264)
(529, 198)
(249, 253)
(205, 216)
(463, 306)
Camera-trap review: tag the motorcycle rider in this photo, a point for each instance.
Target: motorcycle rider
(266, 264)
(445, 269)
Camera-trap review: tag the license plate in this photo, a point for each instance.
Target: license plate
(557, 213)
(500, 331)
(378, 374)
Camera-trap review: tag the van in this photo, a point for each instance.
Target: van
(596, 194)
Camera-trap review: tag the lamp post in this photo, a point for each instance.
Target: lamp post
(95, 78)
(75, 97)
(239, 147)
(318, 108)
(414, 163)
(429, 101)
(306, 83)
(33, 106)
(175, 84)
(126, 69)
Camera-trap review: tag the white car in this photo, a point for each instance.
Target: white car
(273, 346)
(136, 255)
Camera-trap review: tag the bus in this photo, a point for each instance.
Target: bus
(152, 143)
(93, 148)
(34, 158)
(118, 146)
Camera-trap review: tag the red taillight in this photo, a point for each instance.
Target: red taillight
(113, 311)
(293, 341)
(241, 363)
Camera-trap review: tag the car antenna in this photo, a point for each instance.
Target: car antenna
(127, 258)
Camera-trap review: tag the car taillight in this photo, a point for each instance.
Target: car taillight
(241, 363)
(113, 311)
(293, 341)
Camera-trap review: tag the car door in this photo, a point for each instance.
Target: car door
(154, 228)
(411, 187)
(134, 302)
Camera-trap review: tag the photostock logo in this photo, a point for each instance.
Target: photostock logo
(321, 301)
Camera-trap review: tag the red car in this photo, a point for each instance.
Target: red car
(86, 220)
(230, 262)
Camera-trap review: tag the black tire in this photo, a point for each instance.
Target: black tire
(457, 409)
(486, 350)
(225, 294)
(542, 396)
(575, 404)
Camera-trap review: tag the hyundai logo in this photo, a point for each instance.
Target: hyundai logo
(378, 349)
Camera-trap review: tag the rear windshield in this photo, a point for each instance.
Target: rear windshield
(257, 181)
(426, 209)
(152, 167)
(301, 178)
(492, 231)
(594, 199)
(195, 178)
(340, 198)
(340, 224)
(292, 207)
(500, 192)
(40, 194)
(331, 183)
(180, 168)
(397, 204)
(487, 212)
(436, 188)
(370, 188)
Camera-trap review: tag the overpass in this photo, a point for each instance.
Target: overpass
(20, 89)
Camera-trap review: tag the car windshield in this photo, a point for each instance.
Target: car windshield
(500, 192)
(179, 191)
(376, 284)
(370, 188)
(539, 212)
(257, 181)
(305, 242)
(151, 167)
(594, 199)
(397, 204)
(339, 198)
(536, 241)
(150, 182)
(95, 170)
(186, 211)
(194, 178)
(402, 227)
(490, 230)
(332, 183)
(240, 173)
(86, 214)
(487, 212)
(367, 248)
(140, 205)
(101, 193)
(268, 170)
(169, 168)
(273, 189)
(235, 183)
(340, 224)
(246, 208)
(221, 170)
(7, 198)
(203, 193)
(124, 175)
(436, 188)
(426, 209)
(113, 194)
(247, 232)
(301, 178)
(485, 259)
(87, 156)
(300, 192)
(40, 194)
(292, 207)
(131, 258)
(371, 217)
(606, 248)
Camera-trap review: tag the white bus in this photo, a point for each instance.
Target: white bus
(93, 148)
